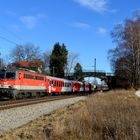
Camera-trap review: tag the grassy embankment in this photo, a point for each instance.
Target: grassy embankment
(112, 115)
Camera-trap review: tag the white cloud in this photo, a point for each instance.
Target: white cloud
(101, 31)
(31, 21)
(11, 13)
(96, 5)
(81, 25)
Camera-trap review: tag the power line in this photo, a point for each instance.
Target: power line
(12, 33)
(4, 38)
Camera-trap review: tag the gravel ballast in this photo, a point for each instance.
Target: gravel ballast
(16, 117)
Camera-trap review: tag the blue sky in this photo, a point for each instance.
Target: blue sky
(84, 26)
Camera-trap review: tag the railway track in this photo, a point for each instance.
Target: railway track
(18, 103)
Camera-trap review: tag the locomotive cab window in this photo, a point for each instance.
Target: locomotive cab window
(10, 75)
(2, 74)
(7, 75)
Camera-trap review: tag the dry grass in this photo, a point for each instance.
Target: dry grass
(109, 116)
(112, 115)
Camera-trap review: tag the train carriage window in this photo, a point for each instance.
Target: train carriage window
(49, 81)
(39, 78)
(54, 83)
(28, 76)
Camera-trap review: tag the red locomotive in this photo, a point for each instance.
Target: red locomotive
(20, 83)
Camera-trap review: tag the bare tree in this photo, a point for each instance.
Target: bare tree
(27, 56)
(25, 52)
(125, 57)
(72, 60)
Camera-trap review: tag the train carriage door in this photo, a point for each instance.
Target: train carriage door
(50, 88)
(19, 80)
(73, 87)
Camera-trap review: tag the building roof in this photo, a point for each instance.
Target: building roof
(23, 63)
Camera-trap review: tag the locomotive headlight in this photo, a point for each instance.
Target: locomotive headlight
(11, 87)
(1, 85)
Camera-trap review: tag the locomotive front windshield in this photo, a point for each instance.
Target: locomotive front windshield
(7, 75)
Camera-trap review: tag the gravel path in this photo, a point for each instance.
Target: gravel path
(15, 117)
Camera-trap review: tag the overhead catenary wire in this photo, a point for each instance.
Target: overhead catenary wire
(8, 40)
(11, 32)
